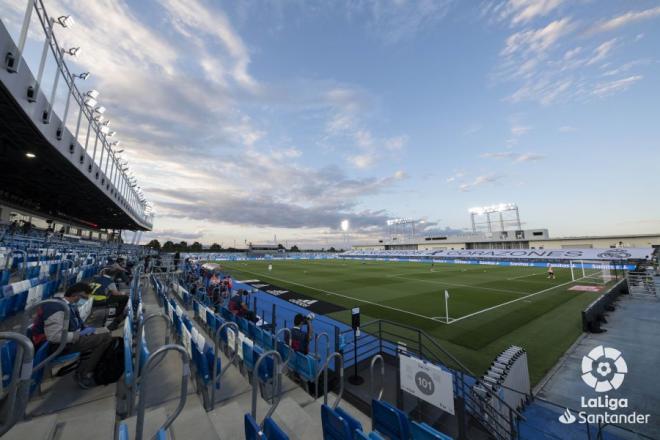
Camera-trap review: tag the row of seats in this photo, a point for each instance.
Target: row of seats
(388, 421)
(17, 296)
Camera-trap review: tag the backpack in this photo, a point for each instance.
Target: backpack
(111, 365)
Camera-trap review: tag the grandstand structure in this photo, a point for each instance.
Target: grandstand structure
(194, 366)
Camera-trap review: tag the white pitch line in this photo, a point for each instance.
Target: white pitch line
(525, 276)
(444, 283)
(343, 296)
(511, 302)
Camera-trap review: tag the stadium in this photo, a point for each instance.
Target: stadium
(144, 292)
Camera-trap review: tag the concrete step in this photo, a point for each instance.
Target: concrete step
(193, 421)
(228, 421)
(87, 425)
(39, 428)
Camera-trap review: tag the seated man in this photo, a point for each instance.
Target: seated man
(300, 339)
(119, 268)
(239, 307)
(49, 325)
(106, 294)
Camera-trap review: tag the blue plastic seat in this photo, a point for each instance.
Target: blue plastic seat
(252, 431)
(335, 427)
(305, 366)
(272, 431)
(389, 420)
(423, 431)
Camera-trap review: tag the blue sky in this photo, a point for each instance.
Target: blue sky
(245, 120)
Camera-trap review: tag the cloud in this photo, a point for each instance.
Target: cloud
(347, 125)
(480, 181)
(610, 87)
(516, 157)
(398, 20)
(519, 130)
(626, 19)
(523, 11)
(537, 40)
(498, 155)
(529, 157)
(567, 129)
(602, 51)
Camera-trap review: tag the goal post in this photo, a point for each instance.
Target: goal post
(593, 271)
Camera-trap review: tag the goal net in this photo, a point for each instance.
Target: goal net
(593, 271)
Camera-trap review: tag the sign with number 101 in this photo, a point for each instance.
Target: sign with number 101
(427, 382)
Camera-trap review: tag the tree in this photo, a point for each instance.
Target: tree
(279, 246)
(154, 244)
(294, 248)
(332, 249)
(183, 246)
(196, 247)
(215, 247)
(168, 246)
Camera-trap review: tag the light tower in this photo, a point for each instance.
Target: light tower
(345, 225)
(500, 209)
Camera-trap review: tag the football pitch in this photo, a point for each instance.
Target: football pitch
(489, 307)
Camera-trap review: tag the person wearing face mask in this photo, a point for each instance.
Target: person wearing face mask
(49, 324)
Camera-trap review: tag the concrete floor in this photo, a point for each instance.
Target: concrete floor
(633, 329)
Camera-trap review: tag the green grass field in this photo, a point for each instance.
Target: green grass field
(490, 307)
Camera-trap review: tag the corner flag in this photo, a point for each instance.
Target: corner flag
(446, 295)
(446, 307)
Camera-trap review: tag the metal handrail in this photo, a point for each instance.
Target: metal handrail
(324, 370)
(62, 304)
(277, 383)
(382, 375)
(185, 360)
(19, 387)
(25, 258)
(216, 351)
(316, 343)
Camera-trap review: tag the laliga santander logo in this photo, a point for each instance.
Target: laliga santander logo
(604, 369)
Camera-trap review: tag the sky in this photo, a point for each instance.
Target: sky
(249, 120)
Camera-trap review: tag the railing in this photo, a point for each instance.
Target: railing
(106, 165)
(18, 391)
(388, 337)
(277, 384)
(217, 341)
(156, 358)
(324, 370)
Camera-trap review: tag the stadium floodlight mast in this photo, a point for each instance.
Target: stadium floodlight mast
(345, 225)
(499, 209)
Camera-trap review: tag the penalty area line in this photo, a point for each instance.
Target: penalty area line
(511, 302)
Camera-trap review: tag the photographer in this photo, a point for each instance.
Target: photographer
(300, 339)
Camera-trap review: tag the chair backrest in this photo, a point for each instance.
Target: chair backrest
(272, 431)
(389, 420)
(335, 427)
(252, 431)
(422, 431)
(353, 423)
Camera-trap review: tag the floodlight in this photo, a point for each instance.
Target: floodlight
(82, 76)
(99, 109)
(65, 21)
(90, 102)
(74, 51)
(106, 123)
(344, 225)
(116, 143)
(104, 130)
(111, 134)
(30, 155)
(99, 118)
(94, 94)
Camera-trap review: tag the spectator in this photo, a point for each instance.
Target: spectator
(238, 306)
(120, 271)
(106, 294)
(300, 339)
(49, 325)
